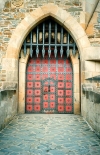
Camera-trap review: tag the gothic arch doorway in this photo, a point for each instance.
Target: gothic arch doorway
(49, 73)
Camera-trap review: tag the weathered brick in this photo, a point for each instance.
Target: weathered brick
(19, 15)
(7, 32)
(3, 71)
(3, 79)
(6, 10)
(8, 4)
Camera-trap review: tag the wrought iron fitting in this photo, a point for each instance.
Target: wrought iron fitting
(55, 52)
(25, 48)
(61, 52)
(37, 51)
(49, 52)
(25, 52)
(68, 53)
(31, 52)
(43, 52)
(74, 51)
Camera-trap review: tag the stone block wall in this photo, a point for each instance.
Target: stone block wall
(87, 14)
(91, 109)
(8, 106)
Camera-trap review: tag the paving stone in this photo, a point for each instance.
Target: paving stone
(48, 134)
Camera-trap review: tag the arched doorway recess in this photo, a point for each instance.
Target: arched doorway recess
(10, 62)
(49, 72)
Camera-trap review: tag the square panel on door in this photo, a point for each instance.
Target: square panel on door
(60, 84)
(68, 108)
(30, 69)
(45, 69)
(67, 62)
(30, 77)
(37, 77)
(52, 105)
(69, 77)
(29, 100)
(68, 100)
(60, 108)
(52, 61)
(29, 107)
(60, 92)
(37, 108)
(37, 100)
(45, 105)
(52, 69)
(37, 61)
(52, 89)
(61, 62)
(45, 97)
(52, 97)
(37, 92)
(29, 92)
(45, 62)
(68, 69)
(38, 69)
(37, 85)
(69, 85)
(68, 92)
(60, 77)
(60, 69)
(60, 100)
(31, 61)
(29, 84)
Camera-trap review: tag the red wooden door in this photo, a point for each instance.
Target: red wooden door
(49, 85)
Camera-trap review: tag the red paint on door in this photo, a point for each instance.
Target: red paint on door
(49, 85)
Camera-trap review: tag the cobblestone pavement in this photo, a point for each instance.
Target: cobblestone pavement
(48, 134)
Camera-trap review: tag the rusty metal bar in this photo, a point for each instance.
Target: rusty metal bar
(61, 50)
(37, 49)
(74, 49)
(68, 52)
(49, 50)
(31, 50)
(25, 47)
(55, 50)
(43, 33)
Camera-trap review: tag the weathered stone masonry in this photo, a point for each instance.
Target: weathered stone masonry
(16, 20)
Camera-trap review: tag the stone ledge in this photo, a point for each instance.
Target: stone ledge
(92, 93)
(8, 86)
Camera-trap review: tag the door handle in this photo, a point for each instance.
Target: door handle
(49, 88)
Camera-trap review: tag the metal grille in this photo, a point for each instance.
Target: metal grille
(49, 85)
(49, 35)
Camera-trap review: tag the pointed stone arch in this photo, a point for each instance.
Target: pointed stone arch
(11, 61)
(32, 19)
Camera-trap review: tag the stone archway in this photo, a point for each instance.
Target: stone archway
(30, 21)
